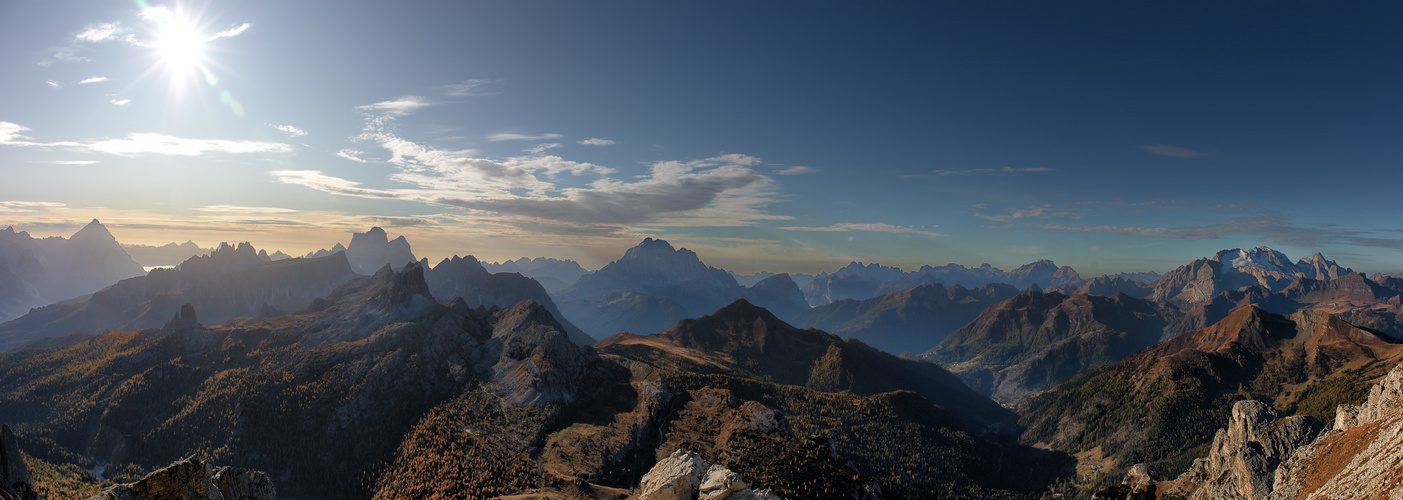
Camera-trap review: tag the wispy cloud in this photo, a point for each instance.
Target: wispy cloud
(162, 144)
(245, 210)
(474, 87)
(94, 79)
(121, 102)
(879, 227)
(1172, 151)
(232, 32)
(351, 154)
(1273, 229)
(993, 171)
(290, 130)
(99, 33)
(74, 162)
(595, 141)
(1035, 212)
(11, 134)
(797, 170)
(542, 148)
(521, 137)
(54, 84)
(401, 106)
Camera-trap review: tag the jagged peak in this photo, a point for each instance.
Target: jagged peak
(93, 231)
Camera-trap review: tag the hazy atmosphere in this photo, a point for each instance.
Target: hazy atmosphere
(781, 136)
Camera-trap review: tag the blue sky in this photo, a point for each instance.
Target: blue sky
(788, 136)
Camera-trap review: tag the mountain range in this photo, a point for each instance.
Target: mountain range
(361, 372)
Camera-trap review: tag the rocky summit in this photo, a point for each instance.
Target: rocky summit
(194, 479)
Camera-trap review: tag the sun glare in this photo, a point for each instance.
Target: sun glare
(178, 42)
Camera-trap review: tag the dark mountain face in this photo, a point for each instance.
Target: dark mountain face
(37, 272)
(1107, 285)
(1034, 341)
(1162, 405)
(231, 282)
(747, 340)
(466, 278)
(907, 321)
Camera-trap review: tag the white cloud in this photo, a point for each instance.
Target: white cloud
(401, 106)
(94, 79)
(147, 143)
(521, 137)
(993, 171)
(1172, 151)
(121, 102)
(474, 87)
(1034, 212)
(9, 132)
(351, 154)
(290, 130)
(54, 84)
(100, 33)
(879, 227)
(709, 192)
(74, 162)
(595, 141)
(736, 159)
(232, 32)
(797, 170)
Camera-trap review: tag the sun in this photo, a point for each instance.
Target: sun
(178, 42)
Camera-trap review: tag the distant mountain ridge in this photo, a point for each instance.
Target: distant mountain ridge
(228, 283)
(40, 271)
(1237, 268)
(553, 274)
(863, 281)
(654, 285)
(907, 321)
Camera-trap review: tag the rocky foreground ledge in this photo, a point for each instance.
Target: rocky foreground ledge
(194, 479)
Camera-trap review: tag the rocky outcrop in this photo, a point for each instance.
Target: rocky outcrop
(194, 479)
(15, 483)
(1244, 457)
(1361, 457)
(1139, 484)
(685, 476)
(537, 364)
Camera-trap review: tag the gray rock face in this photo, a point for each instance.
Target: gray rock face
(1233, 269)
(194, 479)
(686, 476)
(538, 364)
(15, 483)
(1362, 457)
(1243, 460)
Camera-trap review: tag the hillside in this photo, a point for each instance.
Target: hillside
(744, 340)
(1162, 405)
(1031, 342)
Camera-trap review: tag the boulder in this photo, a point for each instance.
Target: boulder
(686, 476)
